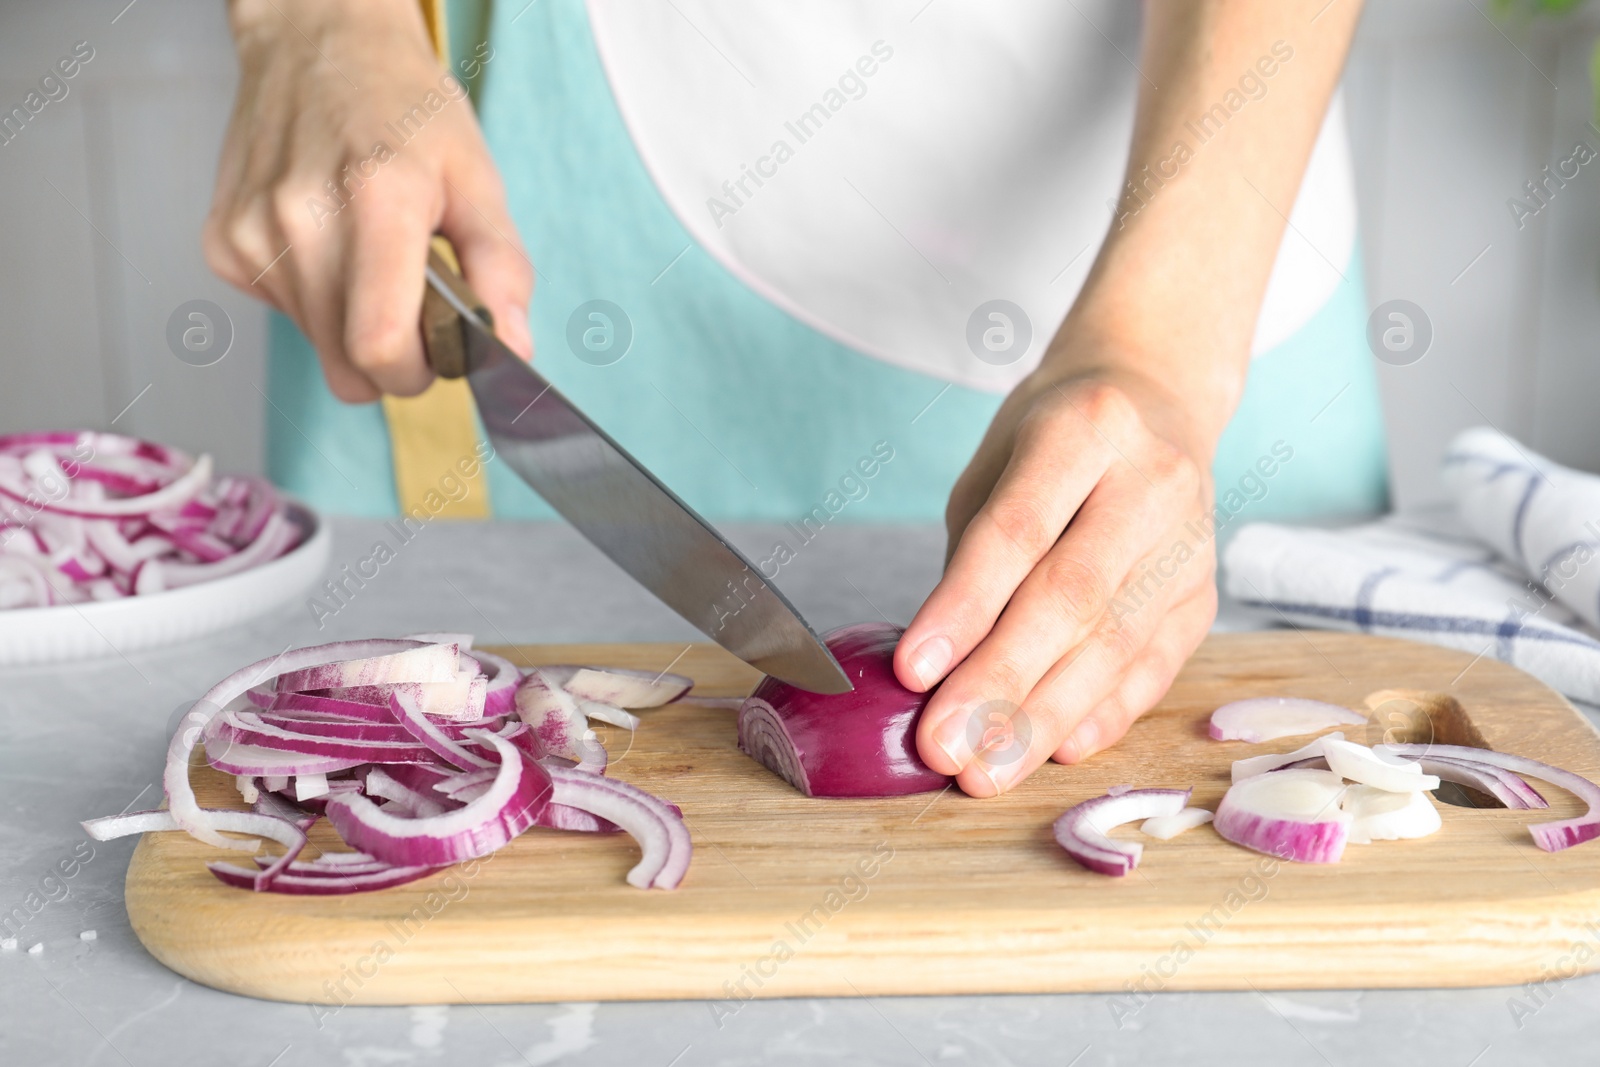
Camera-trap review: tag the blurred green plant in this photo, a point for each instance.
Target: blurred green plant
(1534, 8)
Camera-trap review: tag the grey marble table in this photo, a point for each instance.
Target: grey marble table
(88, 740)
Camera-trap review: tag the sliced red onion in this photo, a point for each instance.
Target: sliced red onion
(310, 787)
(660, 831)
(181, 489)
(511, 805)
(1290, 814)
(500, 690)
(1550, 836)
(619, 687)
(1166, 827)
(462, 698)
(279, 807)
(1384, 815)
(1253, 765)
(561, 817)
(462, 641)
(856, 744)
(606, 713)
(280, 535)
(1509, 789)
(180, 794)
(1269, 718)
(557, 722)
(1081, 830)
(319, 884)
(416, 663)
(244, 728)
(285, 833)
(1380, 769)
(410, 716)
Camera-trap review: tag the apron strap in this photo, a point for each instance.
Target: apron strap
(432, 433)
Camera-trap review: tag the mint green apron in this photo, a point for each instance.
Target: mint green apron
(741, 409)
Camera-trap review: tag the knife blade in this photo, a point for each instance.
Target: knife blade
(613, 500)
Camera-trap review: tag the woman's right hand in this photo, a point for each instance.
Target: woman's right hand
(347, 96)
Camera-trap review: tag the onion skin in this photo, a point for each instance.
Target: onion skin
(857, 744)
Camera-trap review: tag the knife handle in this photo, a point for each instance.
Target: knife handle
(444, 296)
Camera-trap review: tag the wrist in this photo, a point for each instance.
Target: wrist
(1187, 405)
(270, 19)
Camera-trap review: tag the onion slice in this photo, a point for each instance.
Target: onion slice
(658, 827)
(285, 833)
(557, 721)
(1253, 765)
(510, 805)
(1379, 769)
(1081, 830)
(1509, 789)
(1550, 836)
(1166, 827)
(1269, 718)
(1384, 815)
(1291, 814)
(175, 779)
(319, 884)
(620, 687)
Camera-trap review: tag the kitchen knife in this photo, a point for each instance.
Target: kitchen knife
(613, 500)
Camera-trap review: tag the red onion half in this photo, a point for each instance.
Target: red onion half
(857, 744)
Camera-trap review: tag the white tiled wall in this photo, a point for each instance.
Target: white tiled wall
(101, 201)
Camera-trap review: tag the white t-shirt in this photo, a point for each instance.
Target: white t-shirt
(881, 170)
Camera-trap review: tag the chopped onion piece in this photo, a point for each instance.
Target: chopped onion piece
(1291, 814)
(510, 806)
(657, 827)
(1380, 769)
(1550, 836)
(1081, 830)
(1253, 765)
(1269, 718)
(1384, 815)
(290, 836)
(611, 716)
(619, 687)
(1509, 789)
(1166, 827)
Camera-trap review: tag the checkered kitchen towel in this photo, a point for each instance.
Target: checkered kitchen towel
(1514, 574)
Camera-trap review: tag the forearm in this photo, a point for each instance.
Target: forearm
(1232, 95)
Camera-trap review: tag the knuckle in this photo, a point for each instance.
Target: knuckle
(1080, 589)
(1105, 405)
(1175, 470)
(381, 344)
(291, 208)
(1121, 643)
(1023, 520)
(1002, 679)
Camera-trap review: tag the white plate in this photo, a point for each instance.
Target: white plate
(107, 627)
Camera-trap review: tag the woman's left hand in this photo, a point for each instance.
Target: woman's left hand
(1079, 578)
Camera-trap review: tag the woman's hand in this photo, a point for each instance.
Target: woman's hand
(1080, 576)
(348, 148)
(1080, 579)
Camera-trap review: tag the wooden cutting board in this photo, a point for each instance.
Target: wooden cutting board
(939, 893)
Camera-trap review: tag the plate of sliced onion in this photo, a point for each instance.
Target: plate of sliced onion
(110, 544)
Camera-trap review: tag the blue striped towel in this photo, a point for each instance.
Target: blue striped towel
(1512, 574)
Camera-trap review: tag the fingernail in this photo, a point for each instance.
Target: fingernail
(932, 659)
(1084, 737)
